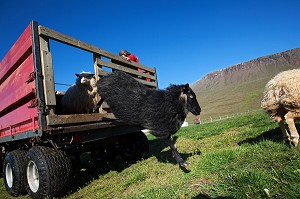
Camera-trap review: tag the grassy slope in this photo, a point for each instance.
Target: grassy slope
(242, 157)
(234, 98)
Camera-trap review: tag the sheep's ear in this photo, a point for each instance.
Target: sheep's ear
(186, 88)
(77, 74)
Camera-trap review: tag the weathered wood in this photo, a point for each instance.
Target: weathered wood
(103, 73)
(96, 69)
(151, 84)
(123, 62)
(52, 34)
(47, 70)
(53, 120)
(101, 63)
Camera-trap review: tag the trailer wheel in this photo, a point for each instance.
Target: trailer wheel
(47, 171)
(100, 154)
(14, 172)
(134, 146)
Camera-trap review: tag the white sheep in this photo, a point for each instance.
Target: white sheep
(80, 98)
(282, 102)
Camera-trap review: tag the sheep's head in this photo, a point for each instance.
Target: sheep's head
(189, 96)
(85, 77)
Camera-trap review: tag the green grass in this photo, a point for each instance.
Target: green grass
(229, 99)
(242, 157)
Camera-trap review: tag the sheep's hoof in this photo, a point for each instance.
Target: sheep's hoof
(184, 164)
(294, 141)
(287, 138)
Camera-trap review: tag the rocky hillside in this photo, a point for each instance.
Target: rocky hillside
(239, 88)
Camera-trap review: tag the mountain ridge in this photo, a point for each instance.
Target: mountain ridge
(238, 88)
(280, 61)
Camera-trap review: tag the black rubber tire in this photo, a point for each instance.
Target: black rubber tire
(48, 171)
(14, 166)
(99, 155)
(134, 146)
(1, 165)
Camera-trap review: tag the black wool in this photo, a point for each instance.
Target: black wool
(161, 111)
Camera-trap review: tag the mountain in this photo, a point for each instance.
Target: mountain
(239, 88)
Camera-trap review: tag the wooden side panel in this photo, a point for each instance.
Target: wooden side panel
(119, 62)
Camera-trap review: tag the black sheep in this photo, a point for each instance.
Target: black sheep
(161, 111)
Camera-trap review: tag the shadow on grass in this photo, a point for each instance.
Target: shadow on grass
(203, 196)
(88, 170)
(274, 135)
(156, 147)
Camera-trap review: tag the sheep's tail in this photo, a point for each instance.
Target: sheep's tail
(270, 102)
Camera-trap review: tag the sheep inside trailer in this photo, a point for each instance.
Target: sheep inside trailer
(33, 130)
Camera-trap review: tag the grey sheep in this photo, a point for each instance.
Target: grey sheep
(80, 98)
(282, 102)
(160, 111)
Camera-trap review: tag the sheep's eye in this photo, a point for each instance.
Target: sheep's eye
(191, 96)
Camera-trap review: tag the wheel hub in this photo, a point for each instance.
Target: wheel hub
(9, 175)
(33, 176)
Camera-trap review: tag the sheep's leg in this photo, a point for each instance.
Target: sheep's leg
(286, 135)
(175, 153)
(289, 118)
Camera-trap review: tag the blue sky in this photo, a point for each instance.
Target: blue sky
(184, 40)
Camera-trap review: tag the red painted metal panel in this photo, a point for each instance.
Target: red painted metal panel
(20, 120)
(21, 46)
(16, 115)
(15, 88)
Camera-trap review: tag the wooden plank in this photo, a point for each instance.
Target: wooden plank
(52, 34)
(122, 68)
(151, 84)
(54, 120)
(93, 126)
(47, 69)
(57, 36)
(123, 62)
(102, 73)
(96, 69)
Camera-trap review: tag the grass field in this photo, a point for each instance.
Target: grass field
(230, 99)
(242, 157)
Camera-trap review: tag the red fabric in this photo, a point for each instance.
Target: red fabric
(148, 79)
(134, 58)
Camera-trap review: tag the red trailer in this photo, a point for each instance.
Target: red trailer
(36, 142)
